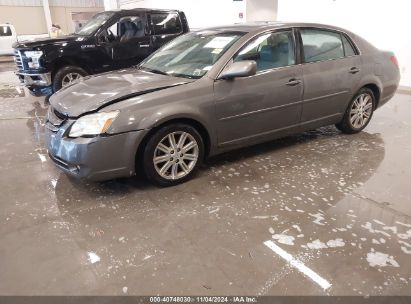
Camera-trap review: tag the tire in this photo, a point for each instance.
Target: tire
(64, 72)
(364, 104)
(173, 167)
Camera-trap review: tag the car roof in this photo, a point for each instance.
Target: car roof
(266, 25)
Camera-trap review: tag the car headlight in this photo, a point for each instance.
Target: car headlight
(34, 56)
(93, 124)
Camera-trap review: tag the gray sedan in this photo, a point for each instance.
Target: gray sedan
(215, 90)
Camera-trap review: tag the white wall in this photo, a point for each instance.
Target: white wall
(384, 23)
(199, 13)
(261, 10)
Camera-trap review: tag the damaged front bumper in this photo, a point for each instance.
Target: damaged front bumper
(96, 158)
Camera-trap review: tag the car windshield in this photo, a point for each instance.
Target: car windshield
(191, 55)
(94, 23)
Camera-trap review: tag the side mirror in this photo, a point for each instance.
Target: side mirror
(242, 68)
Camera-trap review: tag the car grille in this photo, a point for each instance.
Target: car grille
(19, 60)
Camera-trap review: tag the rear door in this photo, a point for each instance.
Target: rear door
(165, 27)
(253, 108)
(331, 67)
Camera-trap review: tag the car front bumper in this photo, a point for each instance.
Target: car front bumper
(96, 158)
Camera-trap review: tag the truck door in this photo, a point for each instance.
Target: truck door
(127, 41)
(165, 27)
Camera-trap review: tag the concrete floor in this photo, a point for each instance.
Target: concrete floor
(338, 204)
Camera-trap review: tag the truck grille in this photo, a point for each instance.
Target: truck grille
(18, 59)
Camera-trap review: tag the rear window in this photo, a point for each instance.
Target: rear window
(320, 45)
(5, 31)
(166, 23)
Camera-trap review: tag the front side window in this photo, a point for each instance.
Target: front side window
(191, 55)
(320, 45)
(271, 50)
(166, 23)
(127, 29)
(5, 31)
(94, 23)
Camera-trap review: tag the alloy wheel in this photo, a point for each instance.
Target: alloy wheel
(361, 110)
(69, 78)
(176, 155)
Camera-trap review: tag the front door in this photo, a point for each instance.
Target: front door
(127, 41)
(330, 70)
(254, 107)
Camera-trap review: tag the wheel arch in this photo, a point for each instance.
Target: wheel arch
(376, 91)
(195, 123)
(67, 61)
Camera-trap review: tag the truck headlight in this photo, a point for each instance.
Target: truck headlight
(34, 56)
(93, 124)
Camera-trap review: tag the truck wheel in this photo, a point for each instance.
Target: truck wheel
(173, 154)
(66, 75)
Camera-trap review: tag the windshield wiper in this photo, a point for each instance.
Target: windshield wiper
(184, 76)
(152, 70)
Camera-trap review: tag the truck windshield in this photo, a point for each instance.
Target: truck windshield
(94, 23)
(191, 55)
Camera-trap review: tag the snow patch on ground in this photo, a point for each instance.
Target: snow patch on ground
(335, 243)
(379, 259)
(318, 218)
(317, 244)
(284, 239)
(93, 258)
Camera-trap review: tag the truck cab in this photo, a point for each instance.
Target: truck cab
(8, 37)
(110, 40)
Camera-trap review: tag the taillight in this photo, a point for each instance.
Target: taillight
(394, 60)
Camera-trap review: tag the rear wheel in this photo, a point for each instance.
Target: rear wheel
(173, 154)
(66, 76)
(358, 113)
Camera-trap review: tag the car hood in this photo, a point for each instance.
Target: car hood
(38, 43)
(94, 92)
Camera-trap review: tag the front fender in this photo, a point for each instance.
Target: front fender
(193, 101)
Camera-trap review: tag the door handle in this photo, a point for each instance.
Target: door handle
(293, 82)
(144, 45)
(354, 70)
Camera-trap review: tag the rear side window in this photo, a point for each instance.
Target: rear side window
(5, 31)
(166, 23)
(348, 49)
(320, 45)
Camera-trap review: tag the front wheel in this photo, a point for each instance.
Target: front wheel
(358, 113)
(66, 76)
(173, 154)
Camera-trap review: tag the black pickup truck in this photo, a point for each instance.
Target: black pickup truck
(110, 40)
